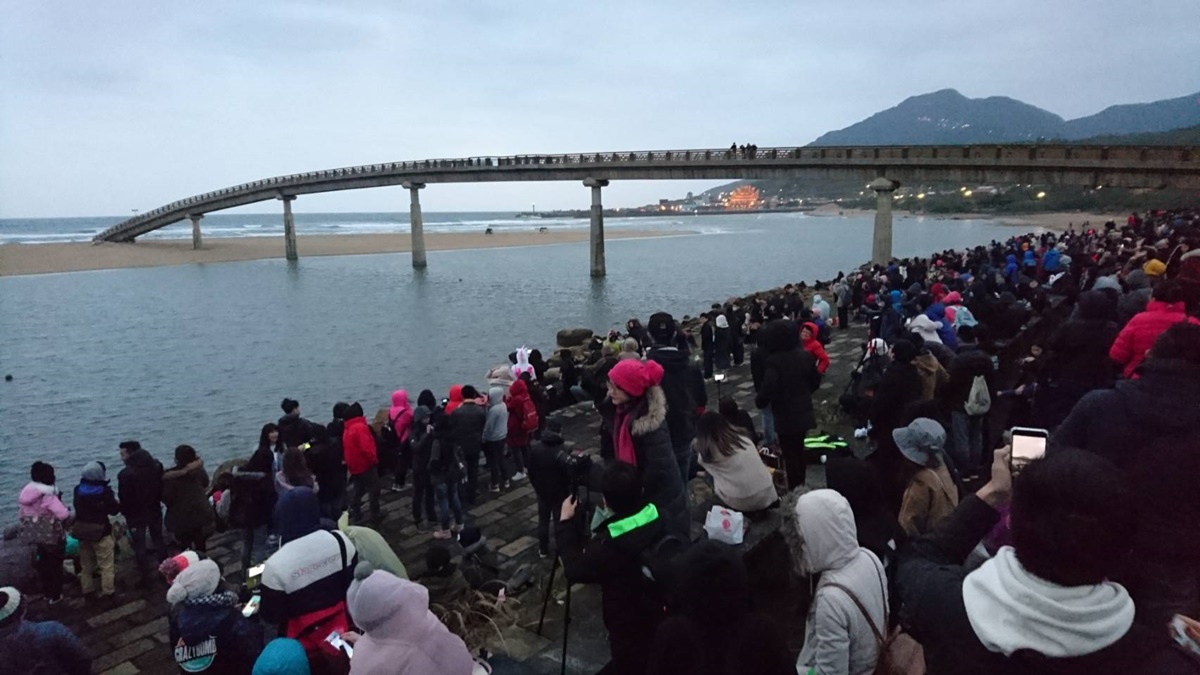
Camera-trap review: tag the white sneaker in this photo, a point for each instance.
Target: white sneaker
(520, 475)
(860, 433)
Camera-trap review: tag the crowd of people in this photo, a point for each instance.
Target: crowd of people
(928, 544)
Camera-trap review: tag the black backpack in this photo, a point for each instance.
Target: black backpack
(660, 565)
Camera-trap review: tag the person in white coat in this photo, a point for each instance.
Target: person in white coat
(850, 602)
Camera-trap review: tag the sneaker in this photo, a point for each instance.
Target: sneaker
(860, 433)
(507, 485)
(456, 528)
(543, 554)
(441, 534)
(494, 488)
(518, 476)
(398, 487)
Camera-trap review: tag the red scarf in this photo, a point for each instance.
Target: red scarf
(622, 434)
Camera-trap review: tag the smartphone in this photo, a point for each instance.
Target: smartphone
(251, 606)
(335, 639)
(1028, 444)
(719, 377)
(254, 576)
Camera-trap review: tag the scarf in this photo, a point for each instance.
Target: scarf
(1010, 609)
(623, 435)
(223, 599)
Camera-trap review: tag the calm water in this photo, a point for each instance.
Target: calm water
(203, 354)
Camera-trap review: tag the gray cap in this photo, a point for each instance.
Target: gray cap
(922, 441)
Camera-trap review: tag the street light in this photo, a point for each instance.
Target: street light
(1041, 195)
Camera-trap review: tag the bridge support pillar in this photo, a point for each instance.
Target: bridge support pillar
(597, 237)
(416, 225)
(195, 218)
(881, 245)
(289, 227)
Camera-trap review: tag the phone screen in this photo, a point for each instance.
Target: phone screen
(254, 576)
(1027, 445)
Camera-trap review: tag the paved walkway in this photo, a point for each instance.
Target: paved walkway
(131, 636)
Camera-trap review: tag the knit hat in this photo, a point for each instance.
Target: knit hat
(904, 351)
(1154, 268)
(282, 656)
(661, 327)
(94, 471)
(12, 607)
(198, 580)
(635, 377)
(171, 567)
(921, 441)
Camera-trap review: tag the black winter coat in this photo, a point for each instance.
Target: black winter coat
(963, 370)
(929, 584)
(631, 615)
(683, 384)
(789, 378)
(466, 428)
(549, 481)
(95, 502)
(139, 487)
(661, 483)
(901, 385)
(1148, 427)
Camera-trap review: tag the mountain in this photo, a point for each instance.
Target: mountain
(948, 117)
(1136, 118)
(1187, 136)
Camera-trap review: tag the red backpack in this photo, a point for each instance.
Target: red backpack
(312, 630)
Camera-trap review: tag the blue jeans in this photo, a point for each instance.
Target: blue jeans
(966, 441)
(447, 500)
(254, 547)
(769, 436)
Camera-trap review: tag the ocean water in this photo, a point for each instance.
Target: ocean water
(61, 230)
(203, 354)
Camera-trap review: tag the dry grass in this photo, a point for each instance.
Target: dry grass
(478, 617)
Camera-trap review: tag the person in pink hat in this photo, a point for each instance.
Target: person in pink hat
(640, 437)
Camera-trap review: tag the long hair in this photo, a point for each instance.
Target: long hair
(716, 438)
(264, 437)
(295, 469)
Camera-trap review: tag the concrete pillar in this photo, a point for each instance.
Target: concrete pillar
(289, 227)
(195, 217)
(416, 225)
(881, 246)
(597, 238)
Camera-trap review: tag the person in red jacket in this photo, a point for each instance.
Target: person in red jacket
(808, 338)
(1166, 308)
(522, 422)
(362, 462)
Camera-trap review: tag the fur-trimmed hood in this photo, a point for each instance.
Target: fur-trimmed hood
(652, 412)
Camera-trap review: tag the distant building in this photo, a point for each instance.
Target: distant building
(743, 198)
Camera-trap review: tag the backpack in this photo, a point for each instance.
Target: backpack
(388, 447)
(660, 565)
(962, 317)
(312, 629)
(979, 401)
(529, 421)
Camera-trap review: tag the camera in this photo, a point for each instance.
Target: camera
(576, 464)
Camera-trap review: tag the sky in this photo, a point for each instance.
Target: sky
(115, 106)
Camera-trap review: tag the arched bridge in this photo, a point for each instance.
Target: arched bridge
(1123, 166)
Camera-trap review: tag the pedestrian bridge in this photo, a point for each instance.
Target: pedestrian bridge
(889, 166)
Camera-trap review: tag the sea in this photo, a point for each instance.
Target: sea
(203, 354)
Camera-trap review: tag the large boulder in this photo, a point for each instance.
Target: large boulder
(574, 337)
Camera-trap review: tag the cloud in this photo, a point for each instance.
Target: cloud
(113, 106)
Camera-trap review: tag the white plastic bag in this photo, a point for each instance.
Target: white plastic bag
(724, 525)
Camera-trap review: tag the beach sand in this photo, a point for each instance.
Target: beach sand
(20, 259)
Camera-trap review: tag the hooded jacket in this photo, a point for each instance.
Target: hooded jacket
(819, 303)
(943, 608)
(358, 442)
(401, 414)
(838, 640)
(456, 398)
(813, 346)
(139, 487)
(612, 560)
(210, 635)
(683, 385)
(307, 574)
(937, 313)
(932, 374)
(1138, 336)
(31, 647)
(549, 481)
(94, 498)
(400, 634)
(38, 499)
(186, 498)
(495, 429)
(519, 405)
(1147, 427)
(789, 378)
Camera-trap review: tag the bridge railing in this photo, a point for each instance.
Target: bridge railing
(600, 160)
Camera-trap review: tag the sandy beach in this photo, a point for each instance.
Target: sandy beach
(21, 259)
(1058, 220)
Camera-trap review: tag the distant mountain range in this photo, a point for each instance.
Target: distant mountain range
(948, 117)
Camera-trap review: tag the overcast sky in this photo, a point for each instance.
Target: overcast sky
(107, 107)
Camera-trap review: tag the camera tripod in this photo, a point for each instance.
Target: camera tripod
(554, 571)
